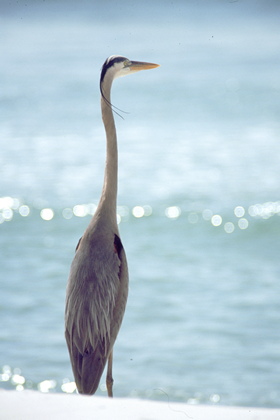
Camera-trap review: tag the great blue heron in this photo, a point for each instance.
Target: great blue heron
(98, 282)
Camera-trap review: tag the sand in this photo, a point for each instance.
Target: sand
(31, 405)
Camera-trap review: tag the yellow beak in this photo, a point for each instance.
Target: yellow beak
(141, 65)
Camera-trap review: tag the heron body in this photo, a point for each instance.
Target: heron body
(98, 282)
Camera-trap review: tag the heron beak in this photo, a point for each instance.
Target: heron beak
(140, 65)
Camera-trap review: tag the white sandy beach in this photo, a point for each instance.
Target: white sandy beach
(32, 405)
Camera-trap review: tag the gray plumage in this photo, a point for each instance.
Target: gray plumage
(98, 282)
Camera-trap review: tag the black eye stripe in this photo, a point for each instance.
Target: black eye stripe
(109, 63)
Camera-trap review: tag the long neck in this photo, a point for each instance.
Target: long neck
(108, 200)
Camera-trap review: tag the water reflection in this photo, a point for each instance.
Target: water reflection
(47, 214)
(216, 220)
(229, 227)
(24, 210)
(243, 223)
(173, 212)
(239, 211)
(9, 206)
(14, 379)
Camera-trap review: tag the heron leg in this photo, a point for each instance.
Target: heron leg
(109, 377)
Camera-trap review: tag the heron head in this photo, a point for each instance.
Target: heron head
(119, 66)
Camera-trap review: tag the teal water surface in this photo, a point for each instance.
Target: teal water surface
(199, 200)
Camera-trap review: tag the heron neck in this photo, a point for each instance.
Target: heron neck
(108, 199)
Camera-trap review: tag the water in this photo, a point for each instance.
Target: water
(199, 200)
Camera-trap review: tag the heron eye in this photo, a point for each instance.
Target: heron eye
(126, 63)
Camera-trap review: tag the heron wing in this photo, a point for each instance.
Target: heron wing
(95, 304)
(121, 299)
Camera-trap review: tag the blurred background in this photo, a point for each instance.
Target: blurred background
(199, 198)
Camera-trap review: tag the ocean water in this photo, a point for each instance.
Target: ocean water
(199, 197)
